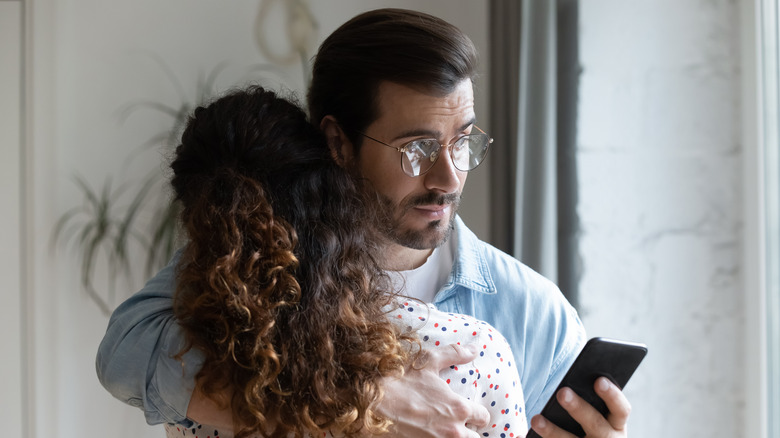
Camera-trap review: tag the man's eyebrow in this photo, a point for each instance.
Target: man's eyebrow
(428, 132)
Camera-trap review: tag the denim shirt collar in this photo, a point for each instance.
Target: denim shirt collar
(470, 268)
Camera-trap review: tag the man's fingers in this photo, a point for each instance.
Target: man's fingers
(477, 415)
(441, 358)
(617, 403)
(470, 413)
(454, 354)
(589, 418)
(547, 429)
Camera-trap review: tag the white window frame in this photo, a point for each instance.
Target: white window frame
(770, 146)
(760, 49)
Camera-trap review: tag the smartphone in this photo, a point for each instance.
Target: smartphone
(610, 358)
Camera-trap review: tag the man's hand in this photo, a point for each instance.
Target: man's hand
(591, 420)
(422, 405)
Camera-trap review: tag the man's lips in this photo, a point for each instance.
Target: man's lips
(433, 206)
(435, 210)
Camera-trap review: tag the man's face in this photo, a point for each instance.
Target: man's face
(416, 212)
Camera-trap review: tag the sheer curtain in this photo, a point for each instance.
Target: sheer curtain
(533, 80)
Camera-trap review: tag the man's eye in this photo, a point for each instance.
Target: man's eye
(426, 146)
(462, 143)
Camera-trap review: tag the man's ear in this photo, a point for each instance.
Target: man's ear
(340, 146)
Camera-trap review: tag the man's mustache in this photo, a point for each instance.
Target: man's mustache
(431, 198)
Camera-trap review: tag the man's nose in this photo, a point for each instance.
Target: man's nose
(443, 176)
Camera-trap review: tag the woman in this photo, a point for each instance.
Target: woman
(281, 288)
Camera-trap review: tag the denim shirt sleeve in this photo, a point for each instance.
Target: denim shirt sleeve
(553, 351)
(135, 361)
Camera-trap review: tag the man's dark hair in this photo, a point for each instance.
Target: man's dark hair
(406, 47)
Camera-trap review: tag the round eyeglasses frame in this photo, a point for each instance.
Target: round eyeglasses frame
(434, 153)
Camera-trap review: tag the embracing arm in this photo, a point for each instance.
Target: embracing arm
(420, 404)
(135, 361)
(136, 364)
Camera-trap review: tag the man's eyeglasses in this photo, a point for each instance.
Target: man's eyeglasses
(419, 156)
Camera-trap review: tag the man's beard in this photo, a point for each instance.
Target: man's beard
(390, 221)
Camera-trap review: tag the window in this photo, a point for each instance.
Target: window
(769, 148)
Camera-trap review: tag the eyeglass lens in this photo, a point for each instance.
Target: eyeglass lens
(467, 153)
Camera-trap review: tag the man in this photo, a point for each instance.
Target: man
(392, 92)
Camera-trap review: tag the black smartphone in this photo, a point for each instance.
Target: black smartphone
(610, 358)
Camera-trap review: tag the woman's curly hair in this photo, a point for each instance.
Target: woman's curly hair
(278, 284)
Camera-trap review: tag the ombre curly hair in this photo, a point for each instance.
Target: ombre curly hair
(278, 284)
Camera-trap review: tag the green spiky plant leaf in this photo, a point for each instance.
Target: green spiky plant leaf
(94, 228)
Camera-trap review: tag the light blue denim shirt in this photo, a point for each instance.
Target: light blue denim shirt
(135, 360)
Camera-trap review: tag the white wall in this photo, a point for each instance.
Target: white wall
(86, 62)
(660, 158)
